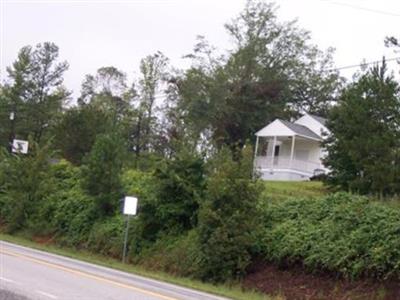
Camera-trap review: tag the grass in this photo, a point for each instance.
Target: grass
(282, 190)
(233, 291)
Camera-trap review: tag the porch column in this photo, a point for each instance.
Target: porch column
(273, 154)
(292, 150)
(255, 157)
(256, 148)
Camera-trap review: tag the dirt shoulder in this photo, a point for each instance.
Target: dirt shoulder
(295, 283)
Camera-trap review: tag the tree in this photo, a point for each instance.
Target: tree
(108, 93)
(153, 70)
(393, 42)
(35, 90)
(76, 131)
(228, 217)
(272, 71)
(107, 90)
(5, 125)
(178, 187)
(315, 84)
(260, 39)
(363, 147)
(102, 171)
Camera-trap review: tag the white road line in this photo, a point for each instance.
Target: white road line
(47, 294)
(7, 280)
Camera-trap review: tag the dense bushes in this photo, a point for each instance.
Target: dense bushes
(197, 220)
(66, 208)
(62, 201)
(23, 186)
(201, 219)
(106, 236)
(178, 255)
(44, 199)
(171, 203)
(102, 171)
(228, 219)
(340, 233)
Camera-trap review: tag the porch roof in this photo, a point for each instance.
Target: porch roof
(285, 128)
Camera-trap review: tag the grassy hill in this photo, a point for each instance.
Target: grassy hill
(281, 190)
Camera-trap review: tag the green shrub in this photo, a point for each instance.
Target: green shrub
(67, 211)
(136, 183)
(172, 254)
(228, 221)
(23, 186)
(340, 233)
(107, 236)
(171, 201)
(74, 216)
(102, 171)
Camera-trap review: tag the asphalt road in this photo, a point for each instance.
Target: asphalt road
(7, 295)
(35, 275)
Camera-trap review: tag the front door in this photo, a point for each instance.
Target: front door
(276, 154)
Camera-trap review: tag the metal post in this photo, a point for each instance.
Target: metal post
(126, 239)
(12, 130)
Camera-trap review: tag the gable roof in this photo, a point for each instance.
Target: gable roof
(301, 130)
(285, 128)
(319, 119)
(275, 128)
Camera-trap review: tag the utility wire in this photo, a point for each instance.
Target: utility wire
(387, 13)
(363, 64)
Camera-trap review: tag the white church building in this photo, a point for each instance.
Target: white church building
(290, 150)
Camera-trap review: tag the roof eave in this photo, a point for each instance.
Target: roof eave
(310, 138)
(296, 134)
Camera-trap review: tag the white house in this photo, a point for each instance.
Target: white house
(290, 151)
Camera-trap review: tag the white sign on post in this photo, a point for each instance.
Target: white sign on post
(20, 146)
(130, 208)
(130, 205)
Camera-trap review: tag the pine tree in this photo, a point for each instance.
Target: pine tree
(363, 148)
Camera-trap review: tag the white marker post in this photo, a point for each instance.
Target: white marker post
(130, 208)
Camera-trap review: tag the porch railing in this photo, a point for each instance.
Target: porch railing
(266, 162)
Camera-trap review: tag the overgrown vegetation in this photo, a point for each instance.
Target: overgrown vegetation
(363, 147)
(228, 220)
(341, 233)
(201, 214)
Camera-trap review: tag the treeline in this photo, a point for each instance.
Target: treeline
(272, 70)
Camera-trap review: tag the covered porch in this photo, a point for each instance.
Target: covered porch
(286, 154)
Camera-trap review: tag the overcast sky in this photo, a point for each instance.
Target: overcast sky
(92, 34)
